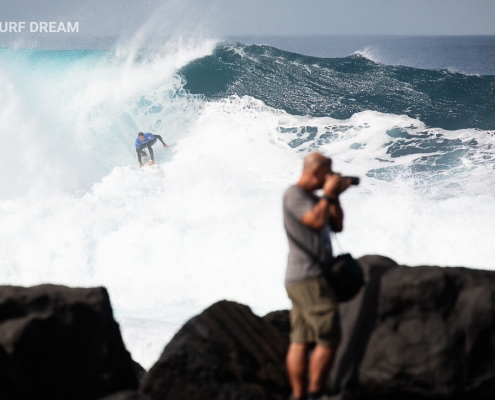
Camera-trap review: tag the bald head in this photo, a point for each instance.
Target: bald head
(316, 168)
(315, 161)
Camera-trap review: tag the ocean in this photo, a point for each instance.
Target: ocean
(413, 117)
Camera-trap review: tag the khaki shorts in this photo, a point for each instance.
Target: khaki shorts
(314, 316)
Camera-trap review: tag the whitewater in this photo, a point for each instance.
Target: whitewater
(75, 209)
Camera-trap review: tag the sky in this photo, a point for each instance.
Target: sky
(223, 18)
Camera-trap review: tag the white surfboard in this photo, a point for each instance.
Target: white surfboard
(150, 169)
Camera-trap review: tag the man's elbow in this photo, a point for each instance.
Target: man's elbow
(318, 226)
(313, 223)
(337, 227)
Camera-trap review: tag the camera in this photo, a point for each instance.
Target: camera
(354, 179)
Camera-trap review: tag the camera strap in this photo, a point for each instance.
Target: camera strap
(334, 239)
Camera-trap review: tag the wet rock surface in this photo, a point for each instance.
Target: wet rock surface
(418, 333)
(60, 343)
(411, 333)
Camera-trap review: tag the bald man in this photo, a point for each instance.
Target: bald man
(308, 220)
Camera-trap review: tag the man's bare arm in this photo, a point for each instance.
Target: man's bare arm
(317, 217)
(336, 216)
(326, 210)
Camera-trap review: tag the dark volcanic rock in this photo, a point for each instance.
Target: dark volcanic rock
(281, 321)
(60, 343)
(358, 318)
(225, 353)
(139, 371)
(418, 333)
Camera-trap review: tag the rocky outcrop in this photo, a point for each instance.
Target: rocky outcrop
(60, 343)
(418, 333)
(411, 333)
(225, 353)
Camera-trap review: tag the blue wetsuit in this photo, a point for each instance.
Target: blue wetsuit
(149, 140)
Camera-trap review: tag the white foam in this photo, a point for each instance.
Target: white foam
(370, 53)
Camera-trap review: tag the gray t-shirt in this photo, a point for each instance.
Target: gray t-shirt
(302, 239)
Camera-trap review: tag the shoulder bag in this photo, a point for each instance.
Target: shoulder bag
(343, 274)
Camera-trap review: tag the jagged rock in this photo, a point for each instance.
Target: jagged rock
(357, 319)
(60, 343)
(139, 371)
(281, 321)
(225, 353)
(418, 333)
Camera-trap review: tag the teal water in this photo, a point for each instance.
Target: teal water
(341, 87)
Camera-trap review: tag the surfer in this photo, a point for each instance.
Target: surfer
(146, 140)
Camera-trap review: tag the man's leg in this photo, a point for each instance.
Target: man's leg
(151, 143)
(323, 314)
(319, 367)
(297, 367)
(151, 155)
(140, 153)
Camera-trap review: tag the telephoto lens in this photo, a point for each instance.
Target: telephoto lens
(354, 179)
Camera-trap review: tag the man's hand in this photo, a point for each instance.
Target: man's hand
(334, 185)
(165, 145)
(323, 212)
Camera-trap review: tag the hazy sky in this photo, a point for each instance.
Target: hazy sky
(263, 17)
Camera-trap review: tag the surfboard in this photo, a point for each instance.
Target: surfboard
(150, 169)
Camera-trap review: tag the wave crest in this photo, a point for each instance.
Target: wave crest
(341, 87)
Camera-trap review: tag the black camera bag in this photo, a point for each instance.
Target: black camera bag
(345, 276)
(343, 273)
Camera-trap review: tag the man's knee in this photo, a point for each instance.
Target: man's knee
(297, 355)
(298, 347)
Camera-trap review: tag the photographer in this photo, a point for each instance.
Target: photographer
(314, 315)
